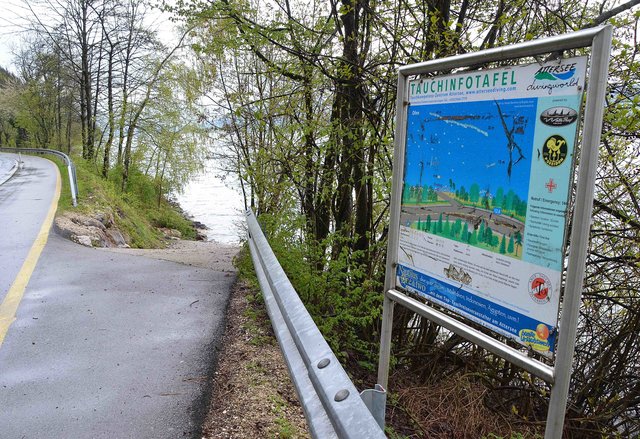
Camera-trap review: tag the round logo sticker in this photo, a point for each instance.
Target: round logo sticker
(540, 288)
(542, 331)
(554, 150)
(558, 116)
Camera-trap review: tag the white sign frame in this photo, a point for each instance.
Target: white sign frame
(558, 375)
(489, 161)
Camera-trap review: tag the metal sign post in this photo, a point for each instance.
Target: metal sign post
(494, 255)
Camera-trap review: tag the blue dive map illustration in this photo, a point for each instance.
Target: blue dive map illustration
(459, 145)
(467, 172)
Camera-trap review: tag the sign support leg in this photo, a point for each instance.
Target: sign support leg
(385, 341)
(579, 233)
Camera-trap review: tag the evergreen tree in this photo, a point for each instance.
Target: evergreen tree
(473, 238)
(481, 232)
(488, 236)
(498, 200)
(474, 193)
(518, 240)
(446, 229)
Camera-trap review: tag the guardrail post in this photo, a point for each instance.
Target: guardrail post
(376, 402)
(71, 169)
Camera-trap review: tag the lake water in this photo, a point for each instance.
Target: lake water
(216, 202)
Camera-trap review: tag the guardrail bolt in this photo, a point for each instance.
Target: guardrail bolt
(341, 395)
(323, 363)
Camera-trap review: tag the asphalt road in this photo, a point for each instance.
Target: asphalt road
(30, 192)
(107, 345)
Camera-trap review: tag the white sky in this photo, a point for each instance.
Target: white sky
(13, 20)
(12, 15)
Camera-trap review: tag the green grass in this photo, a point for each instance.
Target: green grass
(136, 212)
(285, 429)
(392, 434)
(257, 322)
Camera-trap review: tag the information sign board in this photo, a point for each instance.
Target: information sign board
(487, 174)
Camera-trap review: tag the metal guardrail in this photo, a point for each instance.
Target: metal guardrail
(332, 405)
(71, 168)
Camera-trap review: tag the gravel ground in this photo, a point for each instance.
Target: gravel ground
(204, 254)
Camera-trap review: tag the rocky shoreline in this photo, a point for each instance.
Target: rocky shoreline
(100, 230)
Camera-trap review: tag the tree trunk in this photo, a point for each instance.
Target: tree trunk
(111, 121)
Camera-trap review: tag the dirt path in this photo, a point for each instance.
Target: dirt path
(211, 255)
(252, 394)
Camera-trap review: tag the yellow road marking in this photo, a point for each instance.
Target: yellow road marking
(10, 304)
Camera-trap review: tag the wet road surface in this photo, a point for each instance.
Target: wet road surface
(108, 345)
(30, 192)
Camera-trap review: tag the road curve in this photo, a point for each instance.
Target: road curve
(25, 202)
(110, 345)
